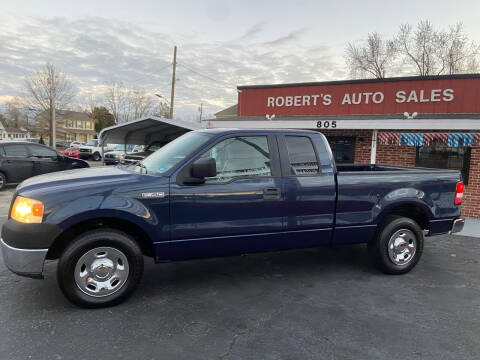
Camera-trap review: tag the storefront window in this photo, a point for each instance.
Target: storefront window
(442, 157)
(343, 148)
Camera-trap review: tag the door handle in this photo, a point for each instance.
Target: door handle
(271, 194)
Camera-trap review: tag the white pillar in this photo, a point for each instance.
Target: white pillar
(373, 150)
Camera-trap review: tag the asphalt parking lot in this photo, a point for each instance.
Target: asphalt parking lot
(303, 304)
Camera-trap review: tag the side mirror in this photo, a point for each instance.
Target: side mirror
(203, 168)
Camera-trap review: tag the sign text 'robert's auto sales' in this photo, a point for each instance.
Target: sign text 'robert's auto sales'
(429, 95)
(378, 97)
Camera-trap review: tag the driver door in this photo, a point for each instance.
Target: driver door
(238, 210)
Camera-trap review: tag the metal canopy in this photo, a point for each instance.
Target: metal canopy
(146, 130)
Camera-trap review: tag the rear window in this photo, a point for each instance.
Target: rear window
(302, 156)
(16, 150)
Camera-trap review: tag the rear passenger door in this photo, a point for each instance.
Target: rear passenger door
(16, 163)
(309, 188)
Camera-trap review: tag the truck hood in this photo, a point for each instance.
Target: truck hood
(89, 177)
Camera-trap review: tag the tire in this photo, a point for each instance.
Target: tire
(96, 259)
(397, 246)
(96, 157)
(3, 181)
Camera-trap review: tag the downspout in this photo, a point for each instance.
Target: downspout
(373, 150)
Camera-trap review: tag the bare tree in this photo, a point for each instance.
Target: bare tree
(127, 104)
(456, 52)
(50, 89)
(140, 104)
(15, 113)
(419, 47)
(116, 97)
(373, 58)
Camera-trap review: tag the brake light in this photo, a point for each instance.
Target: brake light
(459, 193)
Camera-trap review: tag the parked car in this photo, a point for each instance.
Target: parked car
(21, 160)
(76, 144)
(91, 150)
(116, 153)
(135, 156)
(114, 157)
(62, 144)
(71, 152)
(221, 192)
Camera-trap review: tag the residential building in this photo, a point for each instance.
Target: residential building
(71, 126)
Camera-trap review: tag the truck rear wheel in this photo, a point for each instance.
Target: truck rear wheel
(100, 268)
(398, 245)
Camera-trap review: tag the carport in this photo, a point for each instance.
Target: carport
(145, 131)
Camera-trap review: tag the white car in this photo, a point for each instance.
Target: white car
(76, 144)
(90, 150)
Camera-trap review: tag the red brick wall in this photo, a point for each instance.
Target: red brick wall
(363, 142)
(405, 156)
(396, 155)
(471, 199)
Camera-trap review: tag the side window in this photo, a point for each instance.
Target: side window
(301, 155)
(16, 151)
(239, 157)
(42, 152)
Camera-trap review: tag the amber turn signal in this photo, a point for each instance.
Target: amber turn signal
(26, 210)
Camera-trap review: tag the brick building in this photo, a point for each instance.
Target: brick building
(414, 121)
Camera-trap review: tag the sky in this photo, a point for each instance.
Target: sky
(221, 44)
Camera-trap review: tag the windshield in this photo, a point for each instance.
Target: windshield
(175, 151)
(92, 143)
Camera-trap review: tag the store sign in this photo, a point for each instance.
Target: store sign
(388, 97)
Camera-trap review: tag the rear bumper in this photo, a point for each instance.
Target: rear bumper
(25, 262)
(457, 225)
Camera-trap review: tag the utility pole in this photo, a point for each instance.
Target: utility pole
(200, 109)
(53, 135)
(173, 80)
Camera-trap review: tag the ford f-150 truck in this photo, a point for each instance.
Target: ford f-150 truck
(220, 192)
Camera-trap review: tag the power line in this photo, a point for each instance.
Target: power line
(154, 74)
(205, 76)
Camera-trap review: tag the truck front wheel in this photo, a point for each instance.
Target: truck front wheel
(96, 157)
(100, 268)
(398, 245)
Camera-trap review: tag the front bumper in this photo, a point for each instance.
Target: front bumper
(457, 225)
(25, 262)
(84, 156)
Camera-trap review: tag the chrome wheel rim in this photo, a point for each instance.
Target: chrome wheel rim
(1, 181)
(402, 247)
(101, 271)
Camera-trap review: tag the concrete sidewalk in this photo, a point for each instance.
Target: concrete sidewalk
(471, 228)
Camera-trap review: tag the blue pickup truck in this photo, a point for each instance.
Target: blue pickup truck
(216, 193)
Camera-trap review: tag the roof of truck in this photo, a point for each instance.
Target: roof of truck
(255, 130)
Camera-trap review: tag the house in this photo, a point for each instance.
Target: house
(13, 133)
(227, 113)
(71, 126)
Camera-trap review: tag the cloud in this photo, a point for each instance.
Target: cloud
(252, 32)
(293, 36)
(94, 51)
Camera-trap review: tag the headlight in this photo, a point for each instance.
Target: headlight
(26, 210)
(120, 156)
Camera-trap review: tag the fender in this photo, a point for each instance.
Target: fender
(117, 207)
(399, 197)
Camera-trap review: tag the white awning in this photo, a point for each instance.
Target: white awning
(146, 130)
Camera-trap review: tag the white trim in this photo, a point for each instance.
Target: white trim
(376, 124)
